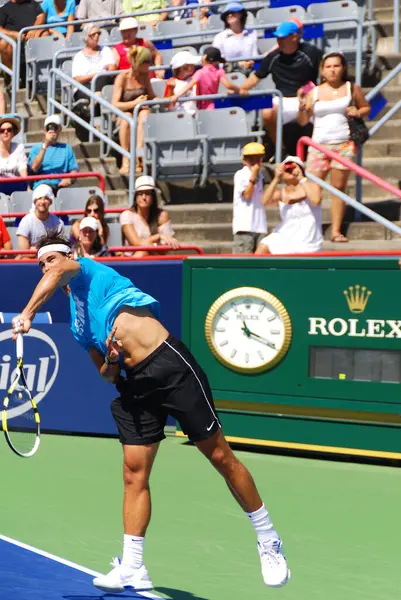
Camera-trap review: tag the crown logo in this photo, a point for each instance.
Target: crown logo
(357, 298)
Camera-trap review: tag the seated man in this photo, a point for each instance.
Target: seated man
(93, 9)
(129, 31)
(293, 64)
(133, 6)
(51, 156)
(38, 223)
(14, 16)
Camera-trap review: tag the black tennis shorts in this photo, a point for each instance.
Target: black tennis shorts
(168, 382)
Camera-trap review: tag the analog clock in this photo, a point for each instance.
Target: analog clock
(248, 330)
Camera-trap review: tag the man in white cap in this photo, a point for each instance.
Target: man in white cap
(38, 223)
(51, 156)
(129, 32)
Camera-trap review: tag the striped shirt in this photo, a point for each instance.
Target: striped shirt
(59, 158)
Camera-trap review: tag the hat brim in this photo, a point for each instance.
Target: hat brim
(223, 15)
(143, 188)
(15, 122)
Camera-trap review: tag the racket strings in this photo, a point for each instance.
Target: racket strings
(22, 424)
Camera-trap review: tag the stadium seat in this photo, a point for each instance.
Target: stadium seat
(22, 202)
(169, 28)
(66, 91)
(38, 56)
(265, 16)
(167, 54)
(227, 131)
(115, 236)
(107, 123)
(235, 78)
(13, 236)
(74, 198)
(5, 205)
(76, 39)
(266, 44)
(159, 87)
(173, 149)
(339, 36)
(115, 35)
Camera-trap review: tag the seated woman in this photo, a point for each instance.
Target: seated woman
(57, 11)
(131, 88)
(89, 243)
(299, 200)
(94, 207)
(145, 223)
(13, 160)
(236, 39)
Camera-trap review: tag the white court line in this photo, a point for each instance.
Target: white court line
(67, 563)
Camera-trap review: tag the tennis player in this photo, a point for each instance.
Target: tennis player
(117, 324)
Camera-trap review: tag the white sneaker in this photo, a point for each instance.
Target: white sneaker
(274, 564)
(120, 580)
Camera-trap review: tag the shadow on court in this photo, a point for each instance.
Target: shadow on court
(173, 594)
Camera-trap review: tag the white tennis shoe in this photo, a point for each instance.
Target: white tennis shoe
(274, 564)
(122, 579)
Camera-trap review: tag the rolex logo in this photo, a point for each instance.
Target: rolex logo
(357, 298)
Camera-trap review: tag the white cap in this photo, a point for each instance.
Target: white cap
(42, 191)
(184, 58)
(89, 222)
(56, 119)
(145, 182)
(128, 23)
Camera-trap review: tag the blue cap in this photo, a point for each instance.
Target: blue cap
(232, 7)
(286, 28)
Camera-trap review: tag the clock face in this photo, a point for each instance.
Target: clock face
(248, 330)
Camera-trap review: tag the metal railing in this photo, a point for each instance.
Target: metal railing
(376, 90)
(80, 175)
(358, 170)
(11, 71)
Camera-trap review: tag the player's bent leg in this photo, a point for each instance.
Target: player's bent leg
(130, 572)
(240, 482)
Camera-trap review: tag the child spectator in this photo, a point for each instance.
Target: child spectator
(183, 66)
(207, 79)
(249, 214)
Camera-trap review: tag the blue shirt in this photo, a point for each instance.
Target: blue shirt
(97, 294)
(49, 9)
(59, 158)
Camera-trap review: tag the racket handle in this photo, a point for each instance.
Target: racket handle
(20, 346)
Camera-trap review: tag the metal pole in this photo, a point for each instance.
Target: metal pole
(385, 118)
(279, 128)
(359, 52)
(358, 182)
(396, 26)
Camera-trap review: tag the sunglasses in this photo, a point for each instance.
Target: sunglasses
(52, 127)
(92, 210)
(7, 130)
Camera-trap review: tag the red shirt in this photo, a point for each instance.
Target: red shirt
(123, 53)
(4, 235)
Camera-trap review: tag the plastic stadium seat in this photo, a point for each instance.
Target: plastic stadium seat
(227, 131)
(276, 15)
(159, 87)
(266, 44)
(266, 84)
(66, 91)
(75, 198)
(106, 120)
(339, 36)
(115, 236)
(5, 205)
(170, 28)
(115, 35)
(235, 78)
(173, 149)
(22, 202)
(38, 56)
(76, 39)
(13, 235)
(167, 54)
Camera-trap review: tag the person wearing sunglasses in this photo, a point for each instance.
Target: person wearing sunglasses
(13, 162)
(299, 201)
(51, 156)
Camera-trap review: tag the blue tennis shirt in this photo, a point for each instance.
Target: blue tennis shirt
(97, 294)
(59, 158)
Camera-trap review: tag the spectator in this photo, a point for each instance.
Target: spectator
(184, 10)
(87, 63)
(129, 31)
(89, 243)
(293, 64)
(236, 40)
(52, 156)
(14, 16)
(131, 88)
(249, 213)
(207, 79)
(183, 67)
(94, 208)
(5, 240)
(93, 9)
(131, 6)
(330, 104)
(39, 222)
(13, 162)
(300, 230)
(2, 103)
(146, 224)
(57, 11)
(190, 11)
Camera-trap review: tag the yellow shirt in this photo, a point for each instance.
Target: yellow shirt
(131, 6)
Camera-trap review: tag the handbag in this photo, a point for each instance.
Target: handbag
(358, 132)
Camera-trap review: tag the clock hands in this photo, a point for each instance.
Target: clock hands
(250, 333)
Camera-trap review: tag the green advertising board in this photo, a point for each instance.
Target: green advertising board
(300, 353)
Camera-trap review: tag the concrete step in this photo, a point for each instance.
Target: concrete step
(392, 92)
(366, 231)
(370, 192)
(377, 4)
(385, 168)
(385, 51)
(384, 13)
(33, 109)
(389, 131)
(217, 247)
(381, 148)
(67, 136)
(107, 166)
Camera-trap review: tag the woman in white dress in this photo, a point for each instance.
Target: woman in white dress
(299, 201)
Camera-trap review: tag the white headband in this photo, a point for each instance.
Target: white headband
(54, 248)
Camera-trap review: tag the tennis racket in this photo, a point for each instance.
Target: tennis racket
(20, 416)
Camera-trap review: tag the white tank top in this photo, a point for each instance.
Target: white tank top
(330, 123)
(301, 225)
